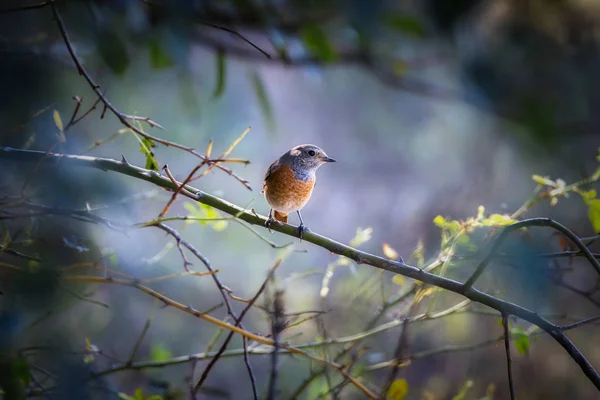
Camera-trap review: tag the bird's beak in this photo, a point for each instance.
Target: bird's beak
(328, 159)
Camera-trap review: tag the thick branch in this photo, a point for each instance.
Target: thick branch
(333, 246)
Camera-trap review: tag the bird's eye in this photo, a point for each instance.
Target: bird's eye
(311, 153)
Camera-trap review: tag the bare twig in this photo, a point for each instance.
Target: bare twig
(402, 343)
(237, 322)
(25, 8)
(508, 357)
(277, 326)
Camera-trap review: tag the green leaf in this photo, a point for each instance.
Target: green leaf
(498, 220)
(124, 396)
(398, 390)
(542, 180)
(398, 280)
(263, 100)
(159, 57)
(59, 124)
(362, 236)
(520, 339)
(160, 353)
(111, 254)
(112, 50)
(221, 74)
(594, 213)
(522, 344)
(145, 147)
(406, 24)
(464, 391)
(596, 175)
(139, 394)
(317, 43)
(439, 221)
(588, 195)
(20, 368)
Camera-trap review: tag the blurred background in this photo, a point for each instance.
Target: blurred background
(430, 108)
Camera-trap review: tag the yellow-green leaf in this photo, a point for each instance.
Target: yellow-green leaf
(464, 391)
(59, 124)
(362, 236)
(594, 213)
(221, 74)
(58, 120)
(160, 353)
(389, 252)
(398, 390)
(480, 212)
(406, 24)
(263, 101)
(439, 221)
(317, 43)
(543, 180)
(398, 280)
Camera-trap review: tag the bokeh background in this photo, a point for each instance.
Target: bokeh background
(431, 108)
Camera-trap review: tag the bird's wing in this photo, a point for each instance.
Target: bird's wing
(272, 168)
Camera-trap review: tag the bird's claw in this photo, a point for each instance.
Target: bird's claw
(301, 229)
(268, 224)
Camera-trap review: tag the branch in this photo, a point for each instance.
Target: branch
(331, 245)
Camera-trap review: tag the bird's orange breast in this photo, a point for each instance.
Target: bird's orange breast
(284, 192)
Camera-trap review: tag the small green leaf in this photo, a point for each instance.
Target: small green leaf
(160, 353)
(522, 344)
(113, 51)
(59, 124)
(20, 368)
(543, 180)
(464, 391)
(398, 280)
(159, 58)
(406, 24)
(594, 213)
(362, 236)
(221, 74)
(263, 100)
(124, 396)
(317, 43)
(596, 175)
(398, 390)
(57, 120)
(498, 220)
(589, 194)
(439, 221)
(145, 147)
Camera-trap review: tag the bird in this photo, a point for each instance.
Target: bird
(290, 180)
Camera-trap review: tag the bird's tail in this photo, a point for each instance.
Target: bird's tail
(283, 217)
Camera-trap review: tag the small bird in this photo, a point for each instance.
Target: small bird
(290, 180)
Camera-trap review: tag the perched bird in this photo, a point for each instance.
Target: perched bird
(290, 180)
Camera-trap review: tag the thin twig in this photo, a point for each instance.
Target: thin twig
(25, 8)
(402, 340)
(508, 357)
(237, 322)
(277, 326)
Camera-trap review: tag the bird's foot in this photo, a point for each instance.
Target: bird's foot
(301, 229)
(268, 224)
